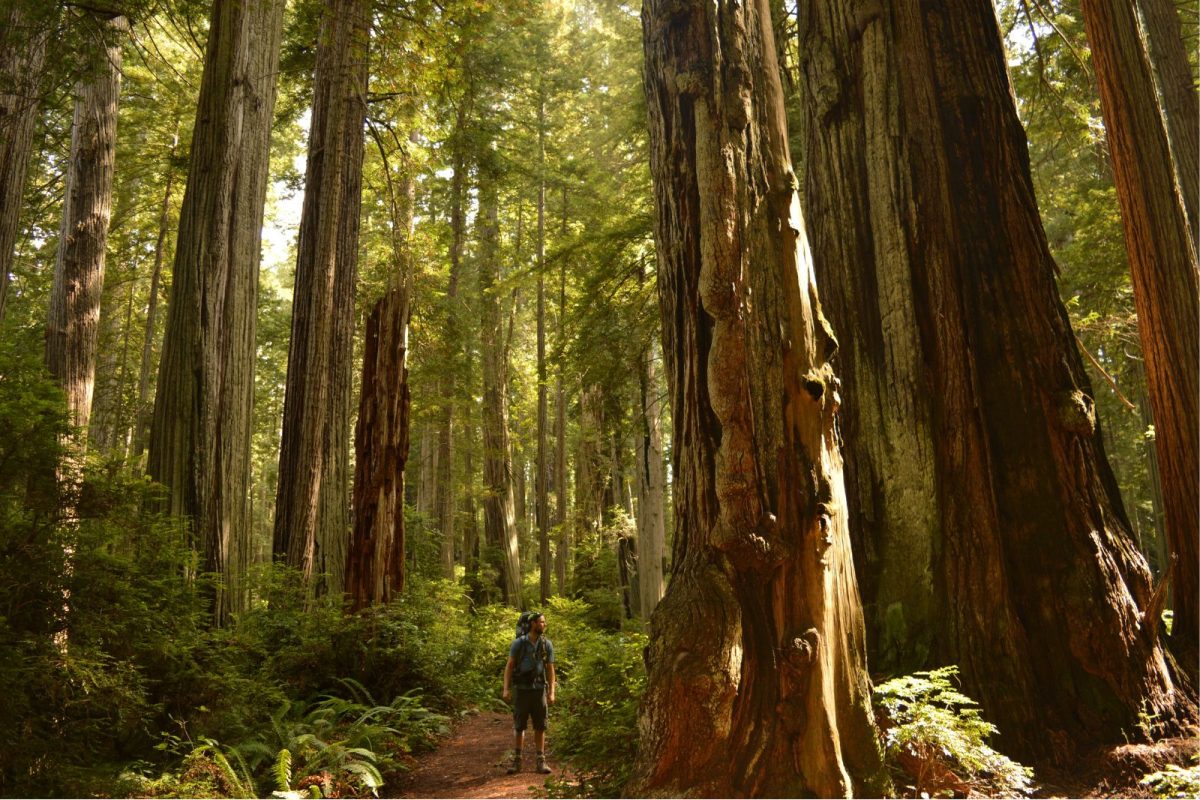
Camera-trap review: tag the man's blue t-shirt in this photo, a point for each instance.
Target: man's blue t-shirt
(529, 659)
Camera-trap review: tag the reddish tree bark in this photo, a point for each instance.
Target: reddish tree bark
(375, 561)
(757, 682)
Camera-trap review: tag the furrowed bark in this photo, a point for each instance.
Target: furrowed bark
(22, 61)
(311, 512)
(73, 327)
(375, 562)
(200, 434)
(992, 518)
(1166, 283)
(757, 681)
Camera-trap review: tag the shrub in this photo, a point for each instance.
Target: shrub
(935, 741)
(602, 681)
(1175, 781)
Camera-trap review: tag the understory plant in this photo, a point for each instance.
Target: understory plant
(602, 679)
(1174, 780)
(935, 740)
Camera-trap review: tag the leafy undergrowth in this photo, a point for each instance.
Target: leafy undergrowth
(935, 741)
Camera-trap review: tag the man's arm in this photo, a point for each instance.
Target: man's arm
(508, 671)
(550, 682)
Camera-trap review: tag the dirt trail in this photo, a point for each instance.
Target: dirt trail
(473, 760)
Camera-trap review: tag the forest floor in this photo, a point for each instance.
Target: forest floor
(473, 760)
(1116, 771)
(472, 763)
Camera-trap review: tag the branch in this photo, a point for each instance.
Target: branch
(1111, 381)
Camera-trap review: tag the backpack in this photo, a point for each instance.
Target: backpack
(523, 677)
(524, 621)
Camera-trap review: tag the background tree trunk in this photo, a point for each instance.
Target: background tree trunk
(543, 422)
(500, 525)
(22, 60)
(928, 239)
(311, 517)
(375, 562)
(1181, 106)
(200, 436)
(145, 406)
(73, 328)
(563, 545)
(1162, 261)
(449, 391)
(651, 525)
(758, 682)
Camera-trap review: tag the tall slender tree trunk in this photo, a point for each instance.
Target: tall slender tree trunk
(996, 525)
(73, 327)
(428, 472)
(543, 498)
(23, 41)
(145, 405)
(200, 435)
(1181, 106)
(758, 682)
(449, 381)
(500, 526)
(651, 478)
(562, 547)
(311, 509)
(589, 480)
(1166, 283)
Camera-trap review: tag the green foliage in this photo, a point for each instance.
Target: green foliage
(935, 741)
(1174, 780)
(602, 678)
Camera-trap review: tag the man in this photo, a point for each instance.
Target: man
(531, 663)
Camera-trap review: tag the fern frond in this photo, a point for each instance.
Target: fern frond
(283, 770)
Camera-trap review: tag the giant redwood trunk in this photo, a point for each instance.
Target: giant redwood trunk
(758, 682)
(499, 518)
(200, 434)
(1162, 262)
(73, 327)
(23, 41)
(375, 562)
(311, 510)
(978, 480)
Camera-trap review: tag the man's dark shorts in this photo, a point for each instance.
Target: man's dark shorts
(529, 703)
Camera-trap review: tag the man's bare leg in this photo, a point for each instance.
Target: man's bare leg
(518, 743)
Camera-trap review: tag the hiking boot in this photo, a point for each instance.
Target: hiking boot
(542, 767)
(515, 766)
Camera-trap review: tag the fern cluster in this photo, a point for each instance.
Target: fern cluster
(935, 741)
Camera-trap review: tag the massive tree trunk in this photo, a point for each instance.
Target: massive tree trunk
(311, 512)
(758, 682)
(22, 59)
(375, 562)
(73, 327)
(651, 479)
(200, 436)
(1181, 105)
(991, 517)
(1162, 261)
(500, 525)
